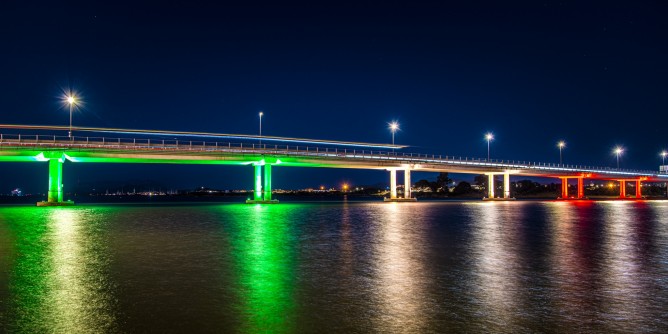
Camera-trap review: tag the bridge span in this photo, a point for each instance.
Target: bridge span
(32, 146)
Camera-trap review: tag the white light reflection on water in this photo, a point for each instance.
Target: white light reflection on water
(623, 282)
(399, 268)
(572, 261)
(659, 237)
(347, 248)
(597, 265)
(495, 262)
(76, 301)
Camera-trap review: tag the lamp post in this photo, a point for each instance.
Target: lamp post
(71, 101)
(489, 137)
(394, 126)
(561, 146)
(618, 152)
(663, 158)
(261, 114)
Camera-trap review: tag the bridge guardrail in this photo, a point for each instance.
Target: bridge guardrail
(54, 141)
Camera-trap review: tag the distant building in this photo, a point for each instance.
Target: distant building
(17, 192)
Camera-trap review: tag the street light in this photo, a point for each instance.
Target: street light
(489, 137)
(71, 100)
(663, 158)
(394, 126)
(561, 146)
(261, 114)
(618, 152)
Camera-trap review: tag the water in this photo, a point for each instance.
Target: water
(514, 267)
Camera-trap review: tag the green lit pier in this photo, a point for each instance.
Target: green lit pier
(262, 195)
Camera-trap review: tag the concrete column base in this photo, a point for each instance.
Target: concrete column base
(252, 201)
(63, 203)
(399, 199)
(499, 199)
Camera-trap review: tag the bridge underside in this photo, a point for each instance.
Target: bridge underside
(262, 180)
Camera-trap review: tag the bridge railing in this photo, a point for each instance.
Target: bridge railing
(124, 143)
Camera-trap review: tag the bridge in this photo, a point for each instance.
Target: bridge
(262, 153)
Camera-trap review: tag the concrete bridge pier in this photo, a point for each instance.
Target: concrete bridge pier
(491, 187)
(257, 192)
(564, 188)
(55, 193)
(407, 187)
(393, 184)
(622, 188)
(267, 183)
(407, 183)
(262, 195)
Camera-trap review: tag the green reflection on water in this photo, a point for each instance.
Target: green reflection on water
(57, 282)
(28, 276)
(265, 267)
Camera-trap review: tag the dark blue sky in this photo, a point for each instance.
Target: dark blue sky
(533, 73)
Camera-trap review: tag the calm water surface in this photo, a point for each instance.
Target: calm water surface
(516, 267)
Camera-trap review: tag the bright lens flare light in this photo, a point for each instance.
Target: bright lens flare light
(619, 150)
(394, 126)
(489, 136)
(561, 144)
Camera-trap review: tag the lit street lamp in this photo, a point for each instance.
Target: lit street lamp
(71, 101)
(261, 114)
(561, 146)
(663, 158)
(394, 126)
(618, 152)
(489, 137)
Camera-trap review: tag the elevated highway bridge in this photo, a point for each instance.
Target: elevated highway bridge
(40, 144)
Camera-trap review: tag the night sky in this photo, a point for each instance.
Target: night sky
(534, 73)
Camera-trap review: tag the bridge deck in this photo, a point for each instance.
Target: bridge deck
(135, 150)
